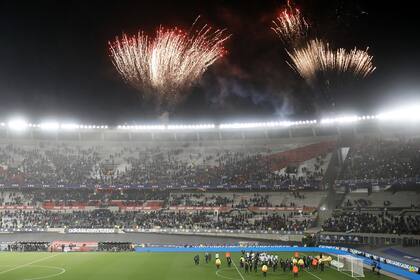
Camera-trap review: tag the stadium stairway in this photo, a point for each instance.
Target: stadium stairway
(333, 199)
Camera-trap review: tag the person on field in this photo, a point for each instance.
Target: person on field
(373, 266)
(246, 266)
(314, 263)
(255, 263)
(308, 262)
(241, 262)
(228, 259)
(218, 263)
(282, 265)
(301, 263)
(264, 270)
(206, 256)
(321, 265)
(197, 259)
(287, 265)
(378, 269)
(295, 271)
(275, 263)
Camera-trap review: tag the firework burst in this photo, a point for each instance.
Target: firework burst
(317, 58)
(291, 26)
(166, 65)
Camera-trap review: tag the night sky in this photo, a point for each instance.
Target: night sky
(54, 60)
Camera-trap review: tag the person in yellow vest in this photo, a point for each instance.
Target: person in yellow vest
(242, 262)
(301, 263)
(294, 261)
(218, 263)
(295, 271)
(264, 270)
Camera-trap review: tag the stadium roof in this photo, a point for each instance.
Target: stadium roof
(408, 114)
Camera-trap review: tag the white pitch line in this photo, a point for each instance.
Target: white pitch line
(6, 266)
(306, 270)
(312, 274)
(240, 274)
(62, 270)
(27, 264)
(226, 277)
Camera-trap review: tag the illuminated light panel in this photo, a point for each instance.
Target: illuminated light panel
(191, 126)
(69, 126)
(142, 127)
(17, 124)
(255, 125)
(49, 126)
(408, 114)
(340, 120)
(402, 114)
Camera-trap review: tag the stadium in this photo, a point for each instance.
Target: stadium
(319, 194)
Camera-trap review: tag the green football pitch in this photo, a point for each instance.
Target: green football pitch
(144, 266)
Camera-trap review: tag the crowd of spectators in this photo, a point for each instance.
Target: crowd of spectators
(363, 222)
(104, 218)
(62, 164)
(374, 158)
(87, 196)
(200, 200)
(15, 198)
(247, 221)
(44, 197)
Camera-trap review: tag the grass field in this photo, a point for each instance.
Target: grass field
(144, 266)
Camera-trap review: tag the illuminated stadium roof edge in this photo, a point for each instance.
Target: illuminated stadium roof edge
(410, 114)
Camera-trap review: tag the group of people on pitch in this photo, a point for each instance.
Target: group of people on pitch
(252, 261)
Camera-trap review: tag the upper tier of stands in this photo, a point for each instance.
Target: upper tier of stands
(382, 199)
(381, 161)
(122, 199)
(263, 163)
(383, 221)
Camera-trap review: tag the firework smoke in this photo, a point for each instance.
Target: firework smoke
(168, 64)
(291, 26)
(318, 58)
